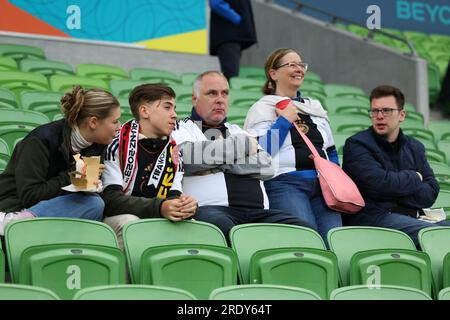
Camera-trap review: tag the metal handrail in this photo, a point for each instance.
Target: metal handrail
(334, 19)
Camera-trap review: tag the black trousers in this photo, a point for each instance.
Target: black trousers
(229, 54)
(443, 100)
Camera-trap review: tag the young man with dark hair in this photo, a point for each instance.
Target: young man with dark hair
(390, 169)
(143, 169)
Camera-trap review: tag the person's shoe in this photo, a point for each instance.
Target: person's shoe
(6, 218)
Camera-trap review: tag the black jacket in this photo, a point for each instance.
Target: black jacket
(386, 175)
(222, 30)
(39, 167)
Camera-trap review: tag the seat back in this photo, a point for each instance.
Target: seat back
(198, 269)
(101, 71)
(446, 271)
(67, 268)
(18, 81)
(8, 99)
(121, 88)
(262, 292)
(23, 234)
(46, 67)
(312, 269)
(247, 239)
(19, 52)
(140, 235)
(154, 76)
(346, 241)
(406, 268)
(22, 292)
(132, 292)
(46, 102)
(444, 294)
(384, 292)
(435, 242)
(66, 83)
(22, 117)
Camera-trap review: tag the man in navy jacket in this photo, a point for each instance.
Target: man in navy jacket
(390, 169)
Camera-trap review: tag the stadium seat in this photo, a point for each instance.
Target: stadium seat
(360, 31)
(7, 63)
(339, 90)
(100, 71)
(154, 76)
(444, 294)
(19, 52)
(446, 271)
(339, 141)
(435, 242)
(434, 81)
(440, 128)
(18, 81)
(312, 77)
(184, 110)
(63, 254)
(247, 239)
(444, 146)
(346, 241)
(46, 102)
(183, 93)
(133, 292)
(307, 268)
(11, 291)
(22, 117)
(122, 88)
(252, 72)
(2, 265)
(12, 134)
(5, 154)
(400, 267)
(243, 98)
(247, 84)
(343, 105)
(440, 170)
(188, 78)
(8, 99)
(237, 115)
(196, 268)
(435, 155)
(46, 67)
(66, 83)
(262, 292)
(341, 123)
(140, 235)
(443, 201)
(419, 133)
(385, 292)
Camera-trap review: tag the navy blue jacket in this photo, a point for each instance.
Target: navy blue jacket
(231, 21)
(386, 175)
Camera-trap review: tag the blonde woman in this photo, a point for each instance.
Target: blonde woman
(31, 184)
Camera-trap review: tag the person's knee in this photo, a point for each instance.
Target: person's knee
(96, 207)
(119, 221)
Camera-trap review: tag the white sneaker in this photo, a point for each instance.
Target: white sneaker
(6, 218)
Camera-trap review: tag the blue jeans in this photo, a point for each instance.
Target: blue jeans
(226, 218)
(409, 225)
(74, 205)
(303, 198)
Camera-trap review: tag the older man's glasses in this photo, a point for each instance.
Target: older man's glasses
(294, 65)
(385, 112)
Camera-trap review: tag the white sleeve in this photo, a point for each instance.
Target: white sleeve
(178, 175)
(259, 129)
(112, 175)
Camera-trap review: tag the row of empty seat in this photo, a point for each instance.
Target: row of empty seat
(68, 255)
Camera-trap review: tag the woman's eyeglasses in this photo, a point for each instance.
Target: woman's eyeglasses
(294, 65)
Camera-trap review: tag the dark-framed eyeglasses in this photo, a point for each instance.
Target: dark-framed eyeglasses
(386, 112)
(294, 65)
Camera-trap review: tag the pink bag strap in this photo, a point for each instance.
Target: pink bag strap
(307, 141)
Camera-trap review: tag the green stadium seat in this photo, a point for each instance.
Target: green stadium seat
(341, 123)
(2, 265)
(9, 291)
(444, 294)
(420, 133)
(443, 201)
(416, 36)
(8, 99)
(100, 71)
(399, 267)
(314, 95)
(12, 134)
(19, 52)
(243, 98)
(154, 76)
(409, 107)
(7, 63)
(132, 292)
(312, 77)
(183, 110)
(312, 87)
(247, 239)
(252, 72)
(247, 84)
(198, 269)
(339, 90)
(5, 155)
(346, 241)
(444, 146)
(262, 292)
(343, 105)
(22, 117)
(46, 102)
(307, 268)
(140, 235)
(339, 141)
(46, 67)
(441, 170)
(18, 81)
(122, 88)
(360, 31)
(60, 253)
(66, 83)
(237, 115)
(385, 292)
(435, 155)
(188, 78)
(183, 93)
(446, 271)
(341, 26)
(434, 241)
